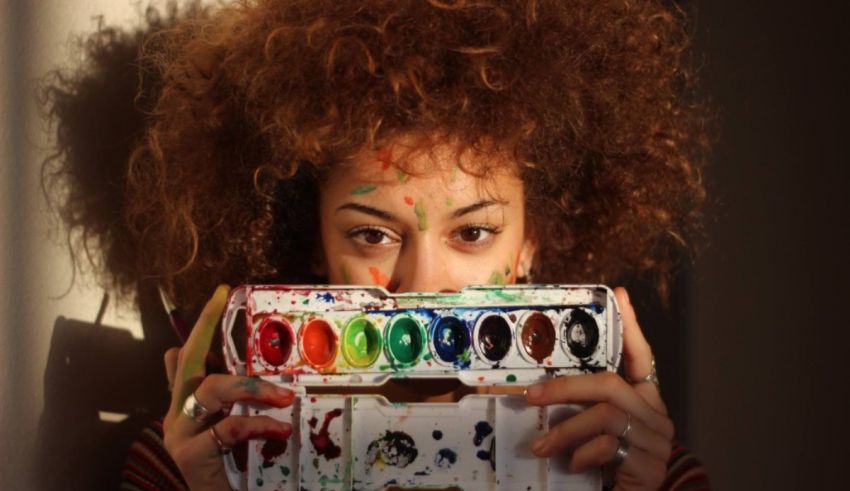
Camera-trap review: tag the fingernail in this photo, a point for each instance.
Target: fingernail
(539, 446)
(533, 391)
(284, 393)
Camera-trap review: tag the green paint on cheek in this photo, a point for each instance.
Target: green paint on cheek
(449, 202)
(421, 216)
(365, 189)
(454, 172)
(343, 272)
(402, 176)
(497, 278)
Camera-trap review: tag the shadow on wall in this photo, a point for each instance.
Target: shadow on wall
(93, 370)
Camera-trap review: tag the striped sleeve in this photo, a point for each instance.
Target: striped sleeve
(684, 472)
(148, 466)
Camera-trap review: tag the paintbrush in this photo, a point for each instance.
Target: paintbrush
(177, 323)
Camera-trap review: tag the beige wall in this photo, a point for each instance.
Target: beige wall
(34, 265)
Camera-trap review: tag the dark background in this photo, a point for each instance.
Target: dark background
(767, 392)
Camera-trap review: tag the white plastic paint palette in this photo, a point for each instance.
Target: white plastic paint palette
(308, 336)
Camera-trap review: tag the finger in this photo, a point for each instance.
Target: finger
(190, 364)
(170, 360)
(637, 353)
(639, 470)
(219, 391)
(231, 431)
(602, 418)
(600, 387)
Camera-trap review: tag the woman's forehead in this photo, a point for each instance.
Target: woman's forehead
(400, 159)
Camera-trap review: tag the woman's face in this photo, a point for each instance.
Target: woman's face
(436, 229)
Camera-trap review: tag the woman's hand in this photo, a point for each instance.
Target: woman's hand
(197, 446)
(595, 433)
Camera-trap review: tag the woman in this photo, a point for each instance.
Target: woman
(422, 146)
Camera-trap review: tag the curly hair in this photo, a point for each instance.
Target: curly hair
(255, 101)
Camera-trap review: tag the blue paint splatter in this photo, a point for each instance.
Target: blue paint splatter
(325, 297)
(482, 429)
(489, 456)
(445, 458)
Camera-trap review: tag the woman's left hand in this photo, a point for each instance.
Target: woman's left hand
(596, 432)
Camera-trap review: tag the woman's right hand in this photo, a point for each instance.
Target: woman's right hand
(192, 444)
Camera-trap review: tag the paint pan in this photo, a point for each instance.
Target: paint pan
(405, 340)
(318, 343)
(361, 342)
(493, 337)
(275, 341)
(579, 334)
(450, 340)
(536, 337)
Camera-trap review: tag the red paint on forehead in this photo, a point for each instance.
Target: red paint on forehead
(408, 200)
(384, 156)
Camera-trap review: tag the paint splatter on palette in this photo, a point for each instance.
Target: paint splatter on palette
(338, 338)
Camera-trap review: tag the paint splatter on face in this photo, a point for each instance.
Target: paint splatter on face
(408, 201)
(343, 272)
(395, 448)
(322, 440)
(402, 176)
(421, 216)
(364, 189)
(378, 277)
(497, 278)
(384, 156)
(449, 202)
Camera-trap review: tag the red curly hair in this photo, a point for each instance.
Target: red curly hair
(255, 101)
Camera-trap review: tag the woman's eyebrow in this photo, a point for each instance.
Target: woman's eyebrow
(367, 210)
(476, 206)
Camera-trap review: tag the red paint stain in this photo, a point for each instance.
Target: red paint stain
(408, 200)
(313, 400)
(322, 440)
(240, 456)
(271, 450)
(384, 156)
(480, 379)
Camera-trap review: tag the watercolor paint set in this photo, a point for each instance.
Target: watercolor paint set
(337, 346)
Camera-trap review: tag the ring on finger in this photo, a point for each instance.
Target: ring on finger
(651, 378)
(196, 410)
(628, 426)
(621, 454)
(222, 448)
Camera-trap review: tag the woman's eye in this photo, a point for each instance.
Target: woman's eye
(476, 234)
(371, 236)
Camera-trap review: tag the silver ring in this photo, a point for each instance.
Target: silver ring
(651, 378)
(195, 409)
(621, 454)
(628, 427)
(222, 448)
